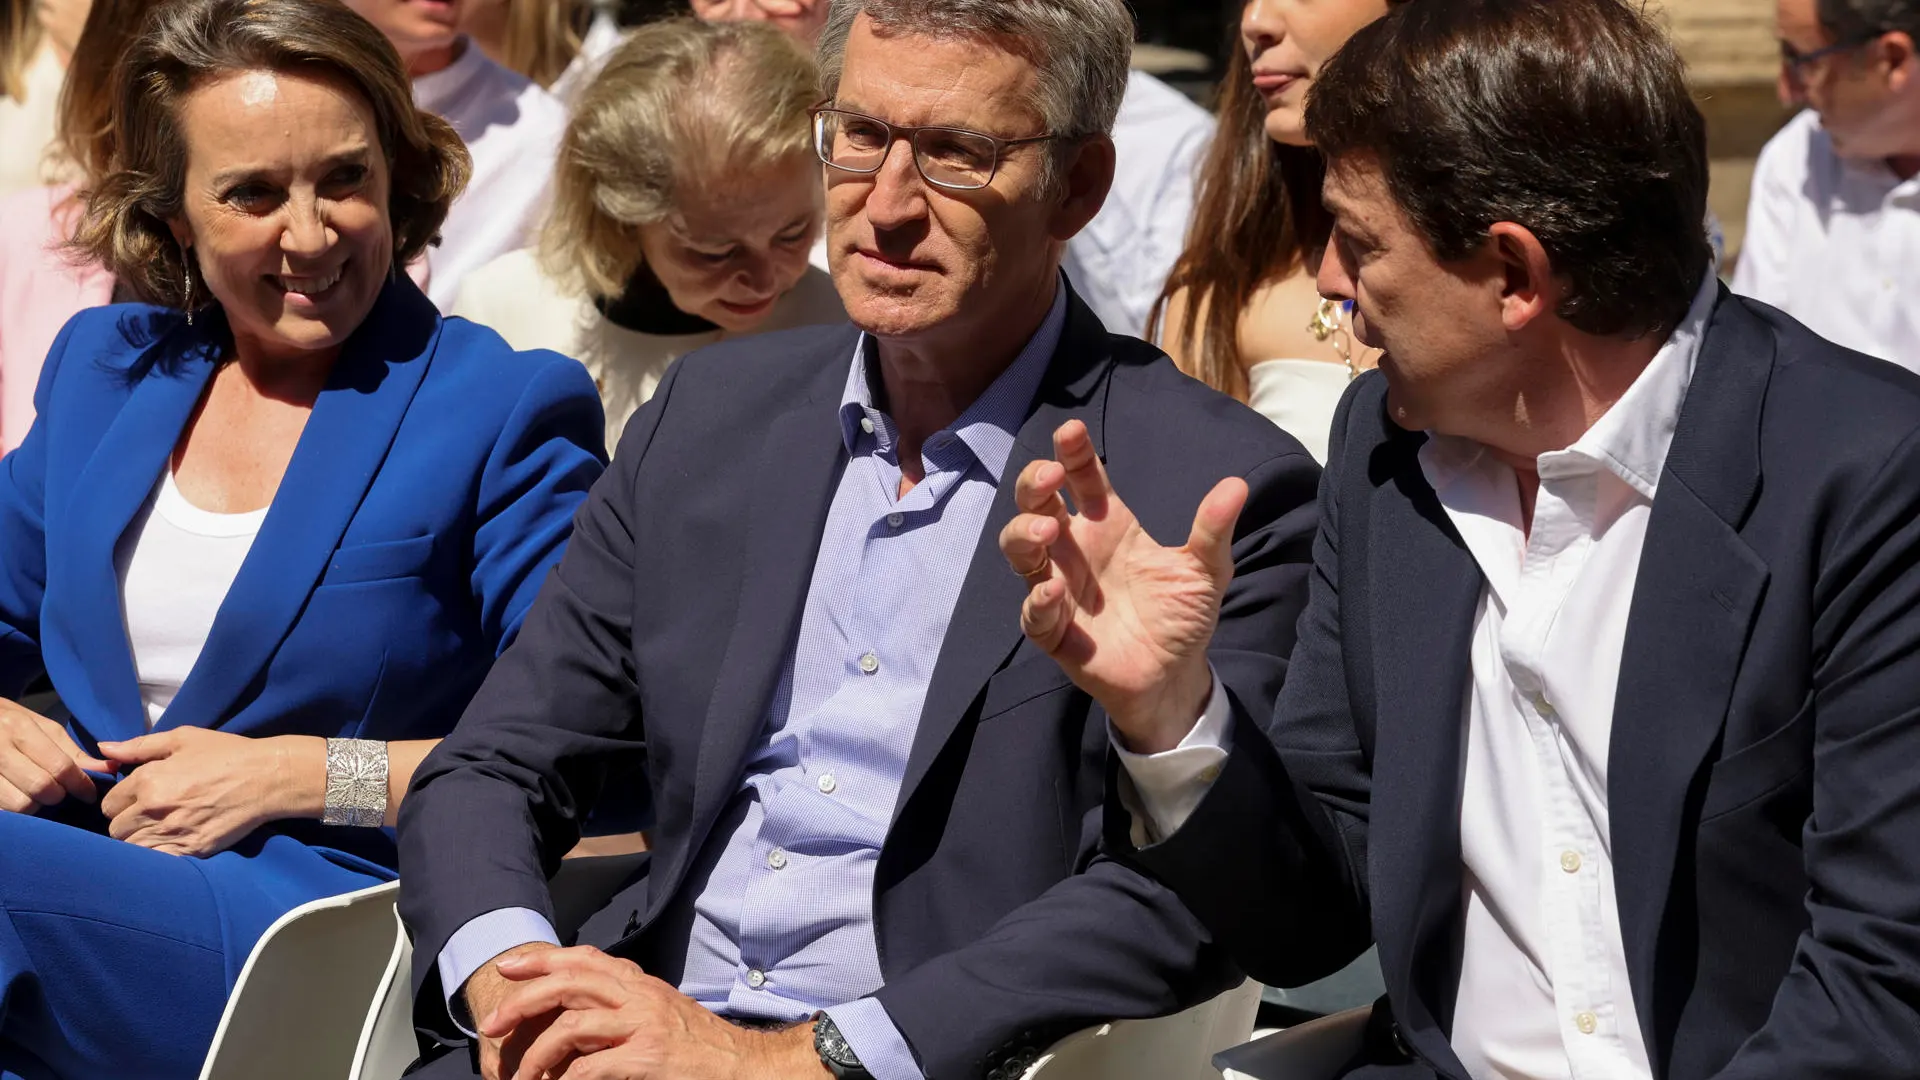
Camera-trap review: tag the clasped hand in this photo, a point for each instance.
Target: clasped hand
(196, 792)
(1128, 619)
(584, 1015)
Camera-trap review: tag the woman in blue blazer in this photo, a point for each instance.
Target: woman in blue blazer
(264, 539)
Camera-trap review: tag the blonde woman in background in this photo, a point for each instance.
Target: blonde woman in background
(37, 41)
(559, 44)
(686, 199)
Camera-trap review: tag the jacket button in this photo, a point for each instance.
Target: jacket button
(1400, 1041)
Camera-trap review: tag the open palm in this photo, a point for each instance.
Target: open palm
(1128, 619)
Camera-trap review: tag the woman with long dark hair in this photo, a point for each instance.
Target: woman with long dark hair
(1241, 311)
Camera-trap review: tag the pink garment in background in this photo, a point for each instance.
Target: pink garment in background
(40, 289)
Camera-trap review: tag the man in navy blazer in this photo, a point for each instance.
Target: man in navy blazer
(1603, 715)
(878, 809)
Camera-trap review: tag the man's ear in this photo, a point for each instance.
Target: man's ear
(1903, 66)
(1530, 289)
(1086, 177)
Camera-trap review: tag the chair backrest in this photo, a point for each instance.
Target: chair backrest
(300, 1010)
(1177, 1047)
(387, 1043)
(1320, 1049)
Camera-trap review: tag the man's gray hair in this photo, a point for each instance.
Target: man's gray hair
(1082, 48)
(1852, 20)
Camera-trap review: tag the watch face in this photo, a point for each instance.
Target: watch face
(831, 1046)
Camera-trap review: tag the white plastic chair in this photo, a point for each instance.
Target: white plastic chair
(1316, 1050)
(1177, 1047)
(324, 996)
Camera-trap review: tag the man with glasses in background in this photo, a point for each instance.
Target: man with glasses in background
(1833, 228)
(878, 807)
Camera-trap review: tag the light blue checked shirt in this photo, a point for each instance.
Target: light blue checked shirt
(784, 926)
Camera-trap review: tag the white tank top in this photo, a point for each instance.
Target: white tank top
(1301, 396)
(176, 564)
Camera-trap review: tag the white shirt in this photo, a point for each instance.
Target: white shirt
(603, 36)
(176, 564)
(512, 128)
(515, 295)
(1300, 397)
(1120, 261)
(1543, 991)
(1835, 244)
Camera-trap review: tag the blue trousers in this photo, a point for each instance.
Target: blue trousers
(116, 961)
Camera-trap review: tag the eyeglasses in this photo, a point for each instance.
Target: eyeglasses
(952, 158)
(1796, 61)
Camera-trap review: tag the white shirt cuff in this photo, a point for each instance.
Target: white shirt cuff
(882, 1050)
(1163, 790)
(472, 946)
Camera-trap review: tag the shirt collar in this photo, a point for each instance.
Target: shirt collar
(1632, 438)
(990, 425)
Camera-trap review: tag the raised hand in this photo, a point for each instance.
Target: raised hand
(1128, 619)
(40, 764)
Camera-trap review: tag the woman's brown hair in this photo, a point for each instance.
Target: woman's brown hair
(1255, 217)
(84, 128)
(190, 42)
(19, 38)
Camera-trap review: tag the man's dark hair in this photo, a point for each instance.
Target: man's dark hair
(1857, 20)
(1571, 118)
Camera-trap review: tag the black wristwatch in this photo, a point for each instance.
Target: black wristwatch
(834, 1052)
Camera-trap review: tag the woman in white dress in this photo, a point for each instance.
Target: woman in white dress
(686, 199)
(1241, 311)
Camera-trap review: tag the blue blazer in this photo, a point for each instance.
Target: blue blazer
(432, 490)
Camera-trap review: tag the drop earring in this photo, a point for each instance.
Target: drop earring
(187, 269)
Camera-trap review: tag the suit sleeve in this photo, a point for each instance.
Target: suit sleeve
(1109, 942)
(1846, 1007)
(1273, 859)
(534, 480)
(23, 537)
(498, 802)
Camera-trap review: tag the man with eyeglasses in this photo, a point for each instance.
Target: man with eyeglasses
(878, 806)
(1833, 227)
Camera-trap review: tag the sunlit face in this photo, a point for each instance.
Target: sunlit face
(417, 28)
(1440, 323)
(803, 19)
(1288, 42)
(1860, 101)
(733, 248)
(911, 259)
(285, 207)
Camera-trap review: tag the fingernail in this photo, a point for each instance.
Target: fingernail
(1036, 530)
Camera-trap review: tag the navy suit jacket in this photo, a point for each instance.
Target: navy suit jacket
(663, 634)
(1765, 807)
(429, 495)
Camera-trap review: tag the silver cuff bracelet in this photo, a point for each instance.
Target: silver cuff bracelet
(356, 783)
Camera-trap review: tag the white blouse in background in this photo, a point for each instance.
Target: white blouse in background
(176, 564)
(1300, 396)
(603, 36)
(518, 299)
(1835, 244)
(512, 128)
(27, 127)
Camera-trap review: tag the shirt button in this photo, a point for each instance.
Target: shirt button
(1570, 861)
(1543, 707)
(756, 978)
(866, 424)
(777, 859)
(1209, 774)
(827, 784)
(869, 664)
(1586, 1022)
(894, 520)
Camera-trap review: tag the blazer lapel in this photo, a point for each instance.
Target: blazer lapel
(985, 628)
(114, 485)
(340, 452)
(804, 452)
(1425, 590)
(1699, 588)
